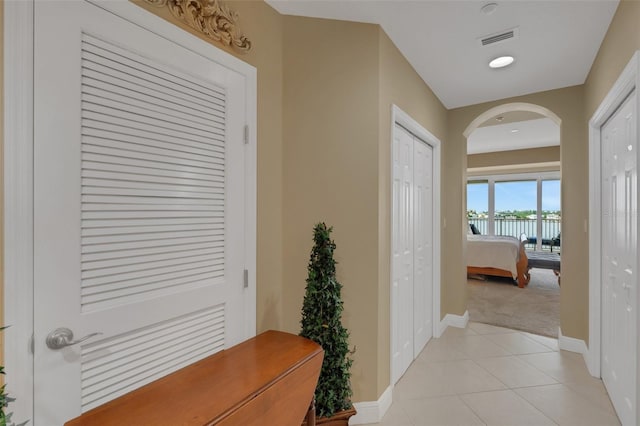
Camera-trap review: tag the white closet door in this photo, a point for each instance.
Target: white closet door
(403, 253)
(139, 207)
(423, 245)
(619, 260)
(412, 248)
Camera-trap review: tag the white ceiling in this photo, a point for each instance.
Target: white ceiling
(556, 44)
(530, 134)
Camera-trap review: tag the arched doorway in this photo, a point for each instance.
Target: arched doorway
(511, 172)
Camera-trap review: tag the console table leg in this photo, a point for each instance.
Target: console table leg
(311, 414)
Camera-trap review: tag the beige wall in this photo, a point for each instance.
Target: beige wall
(568, 104)
(514, 157)
(619, 45)
(264, 27)
(330, 162)
(340, 82)
(400, 85)
(341, 79)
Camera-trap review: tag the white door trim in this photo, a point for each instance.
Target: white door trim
(18, 204)
(628, 80)
(18, 180)
(398, 116)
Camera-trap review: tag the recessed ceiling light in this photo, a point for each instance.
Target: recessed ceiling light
(499, 118)
(489, 8)
(514, 130)
(501, 62)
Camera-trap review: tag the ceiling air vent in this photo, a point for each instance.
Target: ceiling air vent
(499, 37)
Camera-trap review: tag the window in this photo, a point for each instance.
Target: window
(515, 208)
(478, 204)
(513, 205)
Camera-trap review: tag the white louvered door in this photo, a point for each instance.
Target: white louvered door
(140, 207)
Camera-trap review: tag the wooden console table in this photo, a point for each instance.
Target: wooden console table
(267, 380)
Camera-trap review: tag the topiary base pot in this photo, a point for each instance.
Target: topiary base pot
(341, 418)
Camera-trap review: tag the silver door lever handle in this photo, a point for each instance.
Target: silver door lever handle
(63, 337)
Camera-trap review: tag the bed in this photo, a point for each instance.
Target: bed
(497, 256)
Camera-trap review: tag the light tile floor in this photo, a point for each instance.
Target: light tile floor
(486, 375)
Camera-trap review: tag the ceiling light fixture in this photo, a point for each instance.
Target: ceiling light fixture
(489, 8)
(501, 62)
(514, 130)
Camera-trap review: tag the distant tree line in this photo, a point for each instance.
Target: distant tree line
(514, 214)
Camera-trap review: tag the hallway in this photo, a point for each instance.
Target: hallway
(486, 375)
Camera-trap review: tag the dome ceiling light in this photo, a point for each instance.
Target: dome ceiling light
(501, 62)
(489, 8)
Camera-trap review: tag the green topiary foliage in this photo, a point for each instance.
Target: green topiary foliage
(5, 417)
(321, 322)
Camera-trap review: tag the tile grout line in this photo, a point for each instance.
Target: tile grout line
(472, 410)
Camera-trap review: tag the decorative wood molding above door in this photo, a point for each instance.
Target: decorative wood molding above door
(212, 18)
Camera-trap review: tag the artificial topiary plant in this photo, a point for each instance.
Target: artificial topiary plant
(321, 322)
(5, 418)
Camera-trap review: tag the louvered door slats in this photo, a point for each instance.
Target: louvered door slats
(131, 91)
(153, 143)
(103, 130)
(135, 260)
(153, 178)
(173, 226)
(128, 123)
(120, 111)
(145, 270)
(101, 207)
(146, 284)
(146, 251)
(126, 105)
(124, 342)
(120, 364)
(152, 281)
(157, 141)
(146, 66)
(143, 164)
(160, 86)
(141, 101)
(149, 68)
(132, 355)
(115, 155)
(93, 71)
(182, 185)
(148, 239)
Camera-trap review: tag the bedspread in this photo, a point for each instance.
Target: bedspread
(487, 251)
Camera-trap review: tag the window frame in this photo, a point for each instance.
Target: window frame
(491, 180)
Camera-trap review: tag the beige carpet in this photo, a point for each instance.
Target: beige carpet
(535, 308)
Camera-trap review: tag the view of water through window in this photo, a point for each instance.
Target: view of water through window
(515, 209)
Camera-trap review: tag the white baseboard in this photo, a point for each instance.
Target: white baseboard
(574, 345)
(570, 344)
(458, 321)
(372, 411)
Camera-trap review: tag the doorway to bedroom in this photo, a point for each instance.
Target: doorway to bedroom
(514, 222)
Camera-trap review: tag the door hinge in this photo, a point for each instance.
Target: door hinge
(246, 278)
(246, 134)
